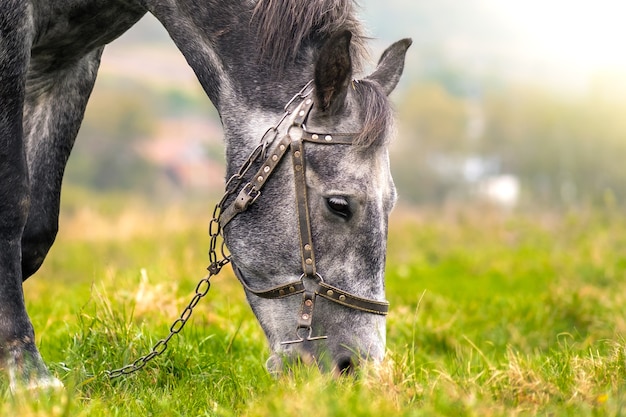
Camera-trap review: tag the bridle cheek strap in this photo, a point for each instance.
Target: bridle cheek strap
(304, 224)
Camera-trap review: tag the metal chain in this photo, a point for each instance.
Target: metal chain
(202, 288)
(272, 132)
(215, 231)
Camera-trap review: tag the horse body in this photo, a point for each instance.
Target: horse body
(49, 56)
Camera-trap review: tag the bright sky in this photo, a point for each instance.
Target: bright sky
(584, 36)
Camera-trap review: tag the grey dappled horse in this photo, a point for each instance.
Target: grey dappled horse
(250, 57)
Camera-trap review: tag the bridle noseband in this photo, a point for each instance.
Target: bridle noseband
(311, 283)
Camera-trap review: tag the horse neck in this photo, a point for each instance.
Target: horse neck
(251, 102)
(218, 42)
(220, 45)
(252, 98)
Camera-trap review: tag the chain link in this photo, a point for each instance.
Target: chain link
(215, 231)
(202, 289)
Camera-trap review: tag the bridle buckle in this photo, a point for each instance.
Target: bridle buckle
(301, 339)
(246, 197)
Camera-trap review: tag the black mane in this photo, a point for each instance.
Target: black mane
(284, 26)
(376, 113)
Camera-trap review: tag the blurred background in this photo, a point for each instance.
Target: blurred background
(515, 105)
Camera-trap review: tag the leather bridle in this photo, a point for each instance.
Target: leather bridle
(311, 283)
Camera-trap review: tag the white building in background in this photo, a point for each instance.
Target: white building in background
(502, 190)
(485, 182)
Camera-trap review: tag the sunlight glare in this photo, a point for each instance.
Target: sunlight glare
(588, 35)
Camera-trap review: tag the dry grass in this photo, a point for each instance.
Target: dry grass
(499, 315)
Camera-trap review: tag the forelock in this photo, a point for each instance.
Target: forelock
(376, 114)
(283, 27)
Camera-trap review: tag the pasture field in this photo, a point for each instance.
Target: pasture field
(492, 314)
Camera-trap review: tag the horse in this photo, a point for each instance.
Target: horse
(313, 237)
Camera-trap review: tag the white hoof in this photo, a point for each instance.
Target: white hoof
(47, 383)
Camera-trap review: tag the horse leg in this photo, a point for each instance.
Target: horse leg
(18, 353)
(54, 108)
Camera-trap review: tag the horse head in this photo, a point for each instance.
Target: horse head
(309, 245)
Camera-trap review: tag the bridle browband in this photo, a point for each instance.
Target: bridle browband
(311, 283)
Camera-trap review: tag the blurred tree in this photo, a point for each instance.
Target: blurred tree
(432, 136)
(564, 149)
(434, 119)
(105, 155)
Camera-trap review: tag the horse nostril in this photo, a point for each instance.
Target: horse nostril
(345, 365)
(275, 365)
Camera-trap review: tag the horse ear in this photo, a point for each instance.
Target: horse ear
(333, 71)
(390, 65)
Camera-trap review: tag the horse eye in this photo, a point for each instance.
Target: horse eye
(339, 206)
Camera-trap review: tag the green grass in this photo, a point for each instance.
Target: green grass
(492, 315)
